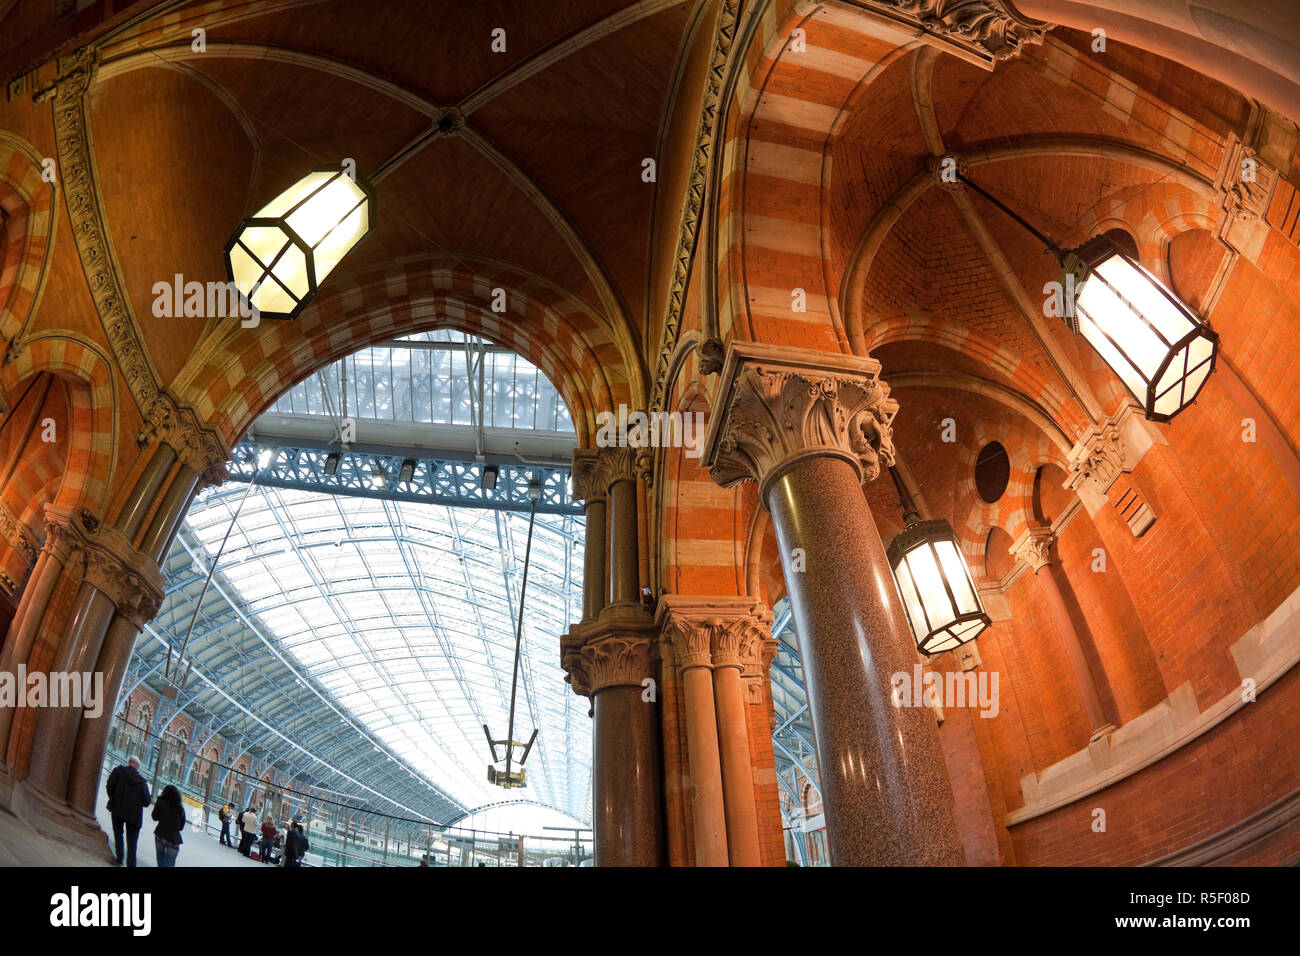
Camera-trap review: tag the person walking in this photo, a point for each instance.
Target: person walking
(224, 816)
(128, 795)
(248, 831)
(268, 838)
(295, 845)
(170, 814)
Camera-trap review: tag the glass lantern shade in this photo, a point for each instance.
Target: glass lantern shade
(279, 257)
(943, 607)
(1160, 350)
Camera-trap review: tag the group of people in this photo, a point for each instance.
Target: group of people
(128, 795)
(273, 845)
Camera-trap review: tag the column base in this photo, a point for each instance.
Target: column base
(56, 819)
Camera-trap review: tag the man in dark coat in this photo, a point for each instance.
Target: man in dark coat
(128, 795)
(295, 845)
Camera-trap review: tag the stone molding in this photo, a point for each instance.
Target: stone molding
(109, 563)
(693, 201)
(776, 405)
(1264, 653)
(165, 420)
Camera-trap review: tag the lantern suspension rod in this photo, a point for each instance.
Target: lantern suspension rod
(1046, 240)
(185, 642)
(910, 514)
(519, 639)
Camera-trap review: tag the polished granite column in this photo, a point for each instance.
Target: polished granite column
(810, 427)
(624, 552)
(1036, 548)
(611, 660)
(627, 798)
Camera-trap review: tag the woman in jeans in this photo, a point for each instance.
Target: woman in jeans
(171, 820)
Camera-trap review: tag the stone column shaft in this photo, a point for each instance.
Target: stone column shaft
(593, 571)
(809, 427)
(1035, 549)
(737, 774)
(624, 554)
(627, 800)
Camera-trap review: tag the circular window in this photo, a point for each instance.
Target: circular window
(992, 471)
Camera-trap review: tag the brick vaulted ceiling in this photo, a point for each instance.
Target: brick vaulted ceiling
(543, 177)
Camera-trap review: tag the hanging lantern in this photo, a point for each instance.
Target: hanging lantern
(278, 258)
(943, 607)
(1161, 350)
(939, 596)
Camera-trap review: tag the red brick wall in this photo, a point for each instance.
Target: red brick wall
(1239, 768)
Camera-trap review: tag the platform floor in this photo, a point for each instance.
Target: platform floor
(20, 845)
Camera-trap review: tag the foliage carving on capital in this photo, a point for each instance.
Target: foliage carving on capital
(617, 661)
(589, 482)
(1034, 547)
(716, 632)
(778, 403)
(126, 576)
(65, 536)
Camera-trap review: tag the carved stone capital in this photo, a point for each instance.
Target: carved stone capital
(619, 464)
(572, 661)
(715, 632)
(65, 535)
(618, 660)
(1034, 547)
(125, 575)
(178, 427)
(589, 482)
(776, 405)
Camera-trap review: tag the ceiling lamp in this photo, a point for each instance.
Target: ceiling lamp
(279, 257)
(942, 605)
(1155, 344)
(1161, 350)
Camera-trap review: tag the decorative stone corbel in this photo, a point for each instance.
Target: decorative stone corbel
(1104, 453)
